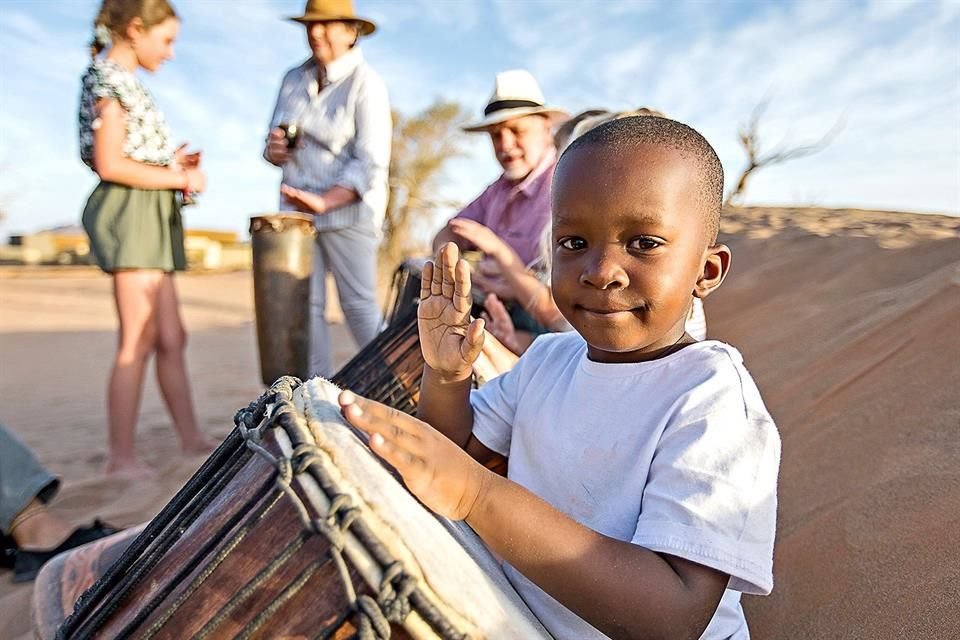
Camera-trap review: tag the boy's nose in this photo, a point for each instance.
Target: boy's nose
(603, 271)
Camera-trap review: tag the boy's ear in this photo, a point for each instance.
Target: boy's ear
(715, 267)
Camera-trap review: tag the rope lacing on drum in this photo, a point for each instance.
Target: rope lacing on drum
(398, 593)
(395, 589)
(373, 623)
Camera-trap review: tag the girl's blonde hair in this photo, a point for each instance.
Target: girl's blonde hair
(115, 15)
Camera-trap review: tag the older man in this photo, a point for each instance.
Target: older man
(516, 207)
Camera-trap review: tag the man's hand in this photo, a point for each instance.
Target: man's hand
(499, 323)
(450, 341)
(304, 201)
(495, 358)
(277, 151)
(438, 472)
(480, 236)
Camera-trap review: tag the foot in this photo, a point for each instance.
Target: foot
(134, 469)
(27, 562)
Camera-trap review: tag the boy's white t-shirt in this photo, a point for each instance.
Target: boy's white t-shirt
(677, 455)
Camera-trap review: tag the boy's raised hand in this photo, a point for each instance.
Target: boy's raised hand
(450, 341)
(439, 473)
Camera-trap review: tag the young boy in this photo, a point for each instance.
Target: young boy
(640, 498)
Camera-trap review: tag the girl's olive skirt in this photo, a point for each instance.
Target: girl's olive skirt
(135, 228)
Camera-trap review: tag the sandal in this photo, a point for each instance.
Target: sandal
(8, 552)
(27, 563)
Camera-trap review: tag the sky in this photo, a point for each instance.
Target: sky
(889, 70)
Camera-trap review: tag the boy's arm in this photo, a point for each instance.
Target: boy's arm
(623, 589)
(451, 342)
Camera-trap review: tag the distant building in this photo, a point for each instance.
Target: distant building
(68, 245)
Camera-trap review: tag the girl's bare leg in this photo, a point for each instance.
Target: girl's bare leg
(172, 369)
(135, 295)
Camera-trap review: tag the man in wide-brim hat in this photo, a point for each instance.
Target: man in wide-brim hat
(516, 207)
(330, 134)
(334, 11)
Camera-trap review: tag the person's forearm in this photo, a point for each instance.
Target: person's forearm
(338, 196)
(446, 406)
(528, 290)
(622, 589)
(139, 175)
(444, 236)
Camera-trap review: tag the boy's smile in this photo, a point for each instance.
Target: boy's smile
(629, 248)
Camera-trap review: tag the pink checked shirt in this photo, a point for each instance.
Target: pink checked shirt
(518, 213)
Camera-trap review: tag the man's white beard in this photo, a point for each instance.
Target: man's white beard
(516, 173)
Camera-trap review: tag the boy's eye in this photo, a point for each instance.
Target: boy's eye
(572, 244)
(644, 243)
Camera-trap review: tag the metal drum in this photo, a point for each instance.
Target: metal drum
(282, 267)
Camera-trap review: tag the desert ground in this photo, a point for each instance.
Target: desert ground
(847, 319)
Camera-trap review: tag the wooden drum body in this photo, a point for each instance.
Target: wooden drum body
(282, 268)
(389, 369)
(292, 528)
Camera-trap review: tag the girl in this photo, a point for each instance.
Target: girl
(133, 218)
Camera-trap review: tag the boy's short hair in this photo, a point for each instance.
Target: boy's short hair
(648, 129)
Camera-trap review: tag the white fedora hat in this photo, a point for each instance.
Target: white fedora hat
(515, 94)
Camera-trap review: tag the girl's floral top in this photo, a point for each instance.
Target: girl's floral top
(148, 138)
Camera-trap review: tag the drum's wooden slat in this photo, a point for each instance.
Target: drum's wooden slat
(245, 484)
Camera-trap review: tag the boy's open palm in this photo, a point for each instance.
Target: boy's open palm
(439, 473)
(450, 341)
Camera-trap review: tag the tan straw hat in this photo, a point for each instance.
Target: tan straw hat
(322, 10)
(515, 94)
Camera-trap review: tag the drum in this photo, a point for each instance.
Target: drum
(404, 290)
(390, 367)
(282, 267)
(292, 528)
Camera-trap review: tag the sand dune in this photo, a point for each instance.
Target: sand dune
(847, 319)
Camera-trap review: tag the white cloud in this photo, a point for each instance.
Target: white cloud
(887, 9)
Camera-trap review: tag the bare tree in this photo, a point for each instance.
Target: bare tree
(757, 159)
(422, 145)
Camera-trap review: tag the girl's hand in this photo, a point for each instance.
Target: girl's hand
(450, 341)
(196, 180)
(186, 160)
(439, 473)
(304, 201)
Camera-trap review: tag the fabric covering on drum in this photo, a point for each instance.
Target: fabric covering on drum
(454, 562)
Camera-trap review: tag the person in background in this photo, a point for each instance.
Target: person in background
(133, 218)
(30, 532)
(516, 206)
(331, 133)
